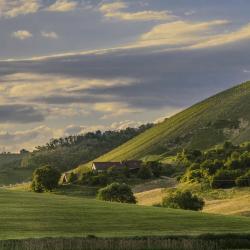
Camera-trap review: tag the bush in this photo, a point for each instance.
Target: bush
(117, 192)
(72, 177)
(243, 181)
(183, 200)
(224, 178)
(144, 172)
(156, 168)
(45, 179)
(193, 176)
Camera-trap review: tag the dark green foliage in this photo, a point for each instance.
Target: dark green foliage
(93, 178)
(144, 172)
(72, 177)
(193, 175)
(117, 192)
(243, 181)
(220, 166)
(183, 200)
(224, 178)
(156, 168)
(67, 153)
(45, 179)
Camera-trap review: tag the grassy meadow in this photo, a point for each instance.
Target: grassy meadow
(31, 215)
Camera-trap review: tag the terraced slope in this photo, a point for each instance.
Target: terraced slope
(26, 214)
(225, 116)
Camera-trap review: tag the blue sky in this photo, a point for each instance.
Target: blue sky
(70, 66)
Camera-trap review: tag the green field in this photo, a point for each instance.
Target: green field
(201, 126)
(26, 214)
(10, 170)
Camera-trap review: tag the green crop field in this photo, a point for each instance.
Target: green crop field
(26, 214)
(195, 127)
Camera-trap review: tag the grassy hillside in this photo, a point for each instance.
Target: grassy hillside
(225, 116)
(234, 201)
(26, 214)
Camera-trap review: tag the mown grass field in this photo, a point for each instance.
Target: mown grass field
(191, 128)
(30, 215)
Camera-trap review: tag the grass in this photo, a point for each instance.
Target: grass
(234, 201)
(27, 214)
(10, 170)
(190, 128)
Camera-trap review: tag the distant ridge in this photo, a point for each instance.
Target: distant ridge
(225, 116)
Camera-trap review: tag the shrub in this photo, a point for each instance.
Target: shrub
(243, 181)
(183, 200)
(224, 178)
(193, 175)
(72, 177)
(156, 168)
(144, 172)
(45, 179)
(117, 192)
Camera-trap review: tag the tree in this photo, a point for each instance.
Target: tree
(144, 172)
(45, 179)
(224, 178)
(156, 168)
(183, 200)
(117, 192)
(72, 177)
(243, 181)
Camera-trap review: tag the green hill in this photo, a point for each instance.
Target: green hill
(225, 116)
(26, 214)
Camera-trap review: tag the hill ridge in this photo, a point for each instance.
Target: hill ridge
(194, 127)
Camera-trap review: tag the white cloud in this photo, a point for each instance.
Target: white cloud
(22, 34)
(14, 141)
(221, 39)
(14, 8)
(37, 136)
(192, 35)
(115, 11)
(180, 33)
(25, 85)
(113, 109)
(62, 6)
(125, 124)
(51, 34)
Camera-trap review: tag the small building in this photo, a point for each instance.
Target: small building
(104, 166)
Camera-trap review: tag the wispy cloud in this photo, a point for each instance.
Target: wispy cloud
(63, 6)
(115, 10)
(180, 33)
(51, 34)
(22, 34)
(14, 8)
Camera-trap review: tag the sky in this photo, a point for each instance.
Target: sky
(73, 66)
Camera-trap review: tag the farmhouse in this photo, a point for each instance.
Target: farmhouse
(104, 166)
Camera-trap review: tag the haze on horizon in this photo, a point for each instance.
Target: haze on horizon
(71, 66)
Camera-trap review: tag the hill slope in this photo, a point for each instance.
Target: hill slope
(26, 214)
(225, 116)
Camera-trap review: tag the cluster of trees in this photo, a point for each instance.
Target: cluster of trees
(223, 167)
(148, 170)
(183, 200)
(46, 179)
(69, 152)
